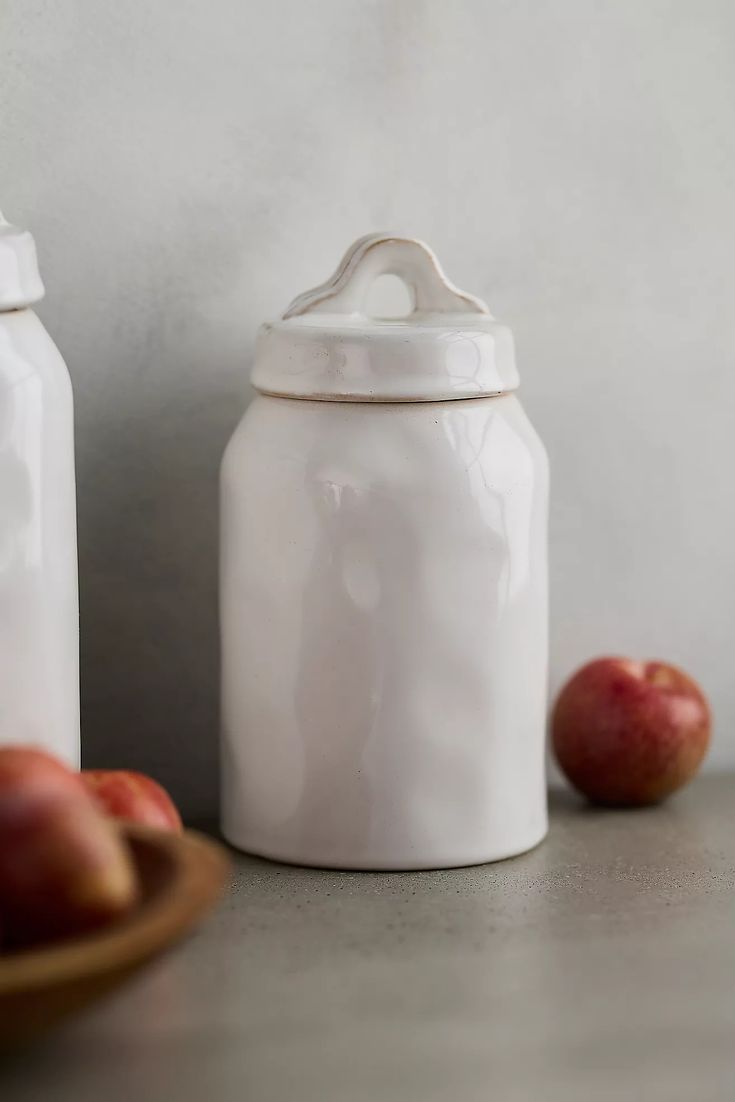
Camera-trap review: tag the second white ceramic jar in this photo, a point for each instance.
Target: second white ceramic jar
(384, 584)
(39, 612)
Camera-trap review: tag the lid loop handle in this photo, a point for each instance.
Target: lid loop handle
(384, 254)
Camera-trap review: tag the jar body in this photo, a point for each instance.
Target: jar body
(39, 616)
(384, 632)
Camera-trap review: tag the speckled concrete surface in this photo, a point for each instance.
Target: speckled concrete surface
(598, 967)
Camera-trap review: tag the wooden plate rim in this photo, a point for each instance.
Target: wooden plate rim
(201, 867)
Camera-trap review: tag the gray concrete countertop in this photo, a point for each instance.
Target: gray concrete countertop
(599, 967)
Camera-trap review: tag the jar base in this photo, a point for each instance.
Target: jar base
(374, 863)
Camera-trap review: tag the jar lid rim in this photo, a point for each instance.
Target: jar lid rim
(20, 279)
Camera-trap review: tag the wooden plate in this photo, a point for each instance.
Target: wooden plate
(182, 875)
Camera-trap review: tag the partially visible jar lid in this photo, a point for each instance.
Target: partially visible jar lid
(20, 281)
(325, 347)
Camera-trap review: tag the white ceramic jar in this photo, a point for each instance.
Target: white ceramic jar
(39, 635)
(384, 583)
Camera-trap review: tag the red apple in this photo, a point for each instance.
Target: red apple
(64, 868)
(133, 796)
(629, 733)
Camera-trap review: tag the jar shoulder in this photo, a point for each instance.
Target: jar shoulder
(390, 442)
(27, 351)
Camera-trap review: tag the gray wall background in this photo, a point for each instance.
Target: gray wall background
(188, 167)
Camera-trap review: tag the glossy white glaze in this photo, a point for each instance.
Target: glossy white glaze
(384, 632)
(39, 646)
(383, 583)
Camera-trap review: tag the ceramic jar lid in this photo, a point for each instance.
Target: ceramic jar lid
(20, 282)
(326, 347)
